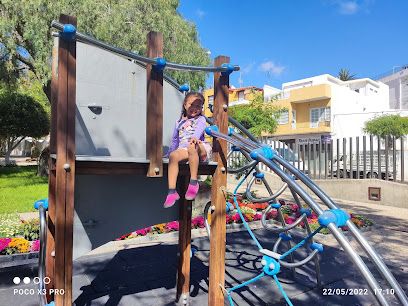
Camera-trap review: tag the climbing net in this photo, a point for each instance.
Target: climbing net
(271, 260)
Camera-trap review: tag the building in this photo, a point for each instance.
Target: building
(237, 96)
(323, 107)
(397, 81)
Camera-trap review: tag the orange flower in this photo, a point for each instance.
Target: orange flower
(20, 243)
(160, 226)
(356, 222)
(249, 216)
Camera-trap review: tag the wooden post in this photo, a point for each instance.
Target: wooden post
(219, 183)
(65, 167)
(154, 108)
(183, 275)
(49, 260)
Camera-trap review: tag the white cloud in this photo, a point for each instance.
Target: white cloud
(348, 7)
(272, 68)
(351, 7)
(200, 13)
(248, 68)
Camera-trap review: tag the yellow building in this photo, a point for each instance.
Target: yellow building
(236, 96)
(307, 114)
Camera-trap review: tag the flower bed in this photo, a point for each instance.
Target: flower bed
(251, 212)
(9, 246)
(18, 236)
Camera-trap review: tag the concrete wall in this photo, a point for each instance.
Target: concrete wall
(392, 194)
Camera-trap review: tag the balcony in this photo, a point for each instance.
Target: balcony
(324, 126)
(311, 93)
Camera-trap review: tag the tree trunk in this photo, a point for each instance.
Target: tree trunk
(7, 158)
(43, 166)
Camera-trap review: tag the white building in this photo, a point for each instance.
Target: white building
(324, 106)
(397, 80)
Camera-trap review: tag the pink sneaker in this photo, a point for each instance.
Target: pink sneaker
(171, 199)
(191, 192)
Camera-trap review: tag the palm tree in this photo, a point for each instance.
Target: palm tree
(345, 75)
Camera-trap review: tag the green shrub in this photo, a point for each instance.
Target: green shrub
(30, 230)
(9, 225)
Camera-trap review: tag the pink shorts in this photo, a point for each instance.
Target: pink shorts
(208, 150)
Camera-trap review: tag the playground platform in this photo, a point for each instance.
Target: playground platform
(145, 274)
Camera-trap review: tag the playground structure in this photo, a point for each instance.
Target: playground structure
(102, 152)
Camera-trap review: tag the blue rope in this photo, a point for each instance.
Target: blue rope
(283, 292)
(242, 285)
(239, 210)
(260, 247)
(301, 243)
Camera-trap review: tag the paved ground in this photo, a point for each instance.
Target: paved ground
(20, 161)
(145, 274)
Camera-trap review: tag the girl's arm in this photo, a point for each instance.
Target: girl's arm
(200, 128)
(174, 140)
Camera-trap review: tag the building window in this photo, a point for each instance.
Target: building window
(319, 114)
(210, 99)
(284, 117)
(241, 96)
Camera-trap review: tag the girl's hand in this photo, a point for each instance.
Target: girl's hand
(195, 140)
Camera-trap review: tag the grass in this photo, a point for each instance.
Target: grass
(20, 187)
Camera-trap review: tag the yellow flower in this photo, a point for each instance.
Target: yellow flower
(250, 216)
(356, 222)
(20, 243)
(160, 226)
(285, 216)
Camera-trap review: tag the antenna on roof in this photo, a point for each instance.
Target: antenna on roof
(240, 81)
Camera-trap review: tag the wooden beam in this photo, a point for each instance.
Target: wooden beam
(154, 108)
(59, 282)
(65, 179)
(219, 183)
(49, 260)
(102, 167)
(70, 160)
(183, 274)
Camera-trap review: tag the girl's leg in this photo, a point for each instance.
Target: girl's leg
(195, 154)
(174, 159)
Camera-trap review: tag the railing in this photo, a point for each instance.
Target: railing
(396, 69)
(347, 158)
(307, 125)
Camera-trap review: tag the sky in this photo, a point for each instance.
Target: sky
(282, 41)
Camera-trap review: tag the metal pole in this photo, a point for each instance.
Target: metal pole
(379, 171)
(387, 147)
(131, 55)
(319, 153)
(355, 258)
(382, 268)
(402, 160)
(364, 157)
(325, 159)
(344, 158)
(314, 160)
(374, 287)
(358, 157)
(371, 156)
(394, 159)
(308, 159)
(331, 158)
(338, 158)
(351, 158)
